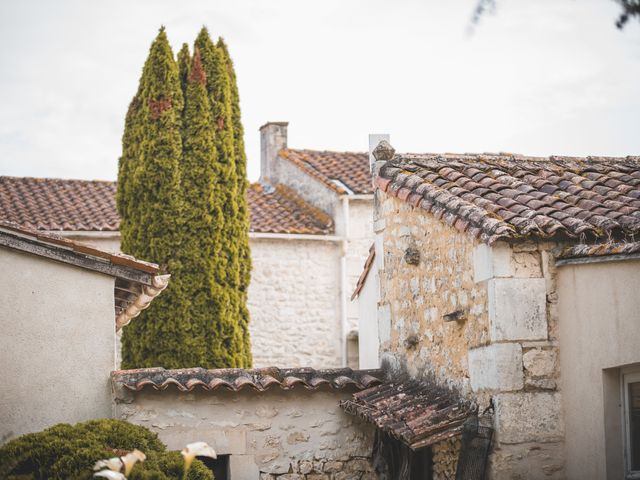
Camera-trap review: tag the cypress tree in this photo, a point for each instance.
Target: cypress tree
(149, 205)
(234, 333)
(184, 67)
(242, 233)
(202, 217)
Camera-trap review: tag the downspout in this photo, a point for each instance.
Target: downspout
(343, 279)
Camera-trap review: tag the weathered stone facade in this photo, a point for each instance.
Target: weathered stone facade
(295, 434)
(482, 320)
(294, 303)
(415, 298)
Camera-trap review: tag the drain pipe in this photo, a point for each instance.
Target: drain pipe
(343, 279)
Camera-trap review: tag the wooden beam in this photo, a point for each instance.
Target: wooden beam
(71, 257)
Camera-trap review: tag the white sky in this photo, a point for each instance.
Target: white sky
(538, 77)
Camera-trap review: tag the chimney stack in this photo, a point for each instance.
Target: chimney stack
(273, 138)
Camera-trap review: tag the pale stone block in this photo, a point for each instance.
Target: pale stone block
(526, 265)
(533, 461)
(540, 363)
(491, 262)
(243, 466)
(517, 309)
(529, 417)
(496, 367)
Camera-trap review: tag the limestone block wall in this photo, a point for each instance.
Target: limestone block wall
(519, 369)
(481, 319)
(426, 276)
(290, 435)
(294, 302)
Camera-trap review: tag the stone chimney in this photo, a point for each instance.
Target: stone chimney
(273, 138)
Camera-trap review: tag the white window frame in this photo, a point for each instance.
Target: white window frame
(628, 376)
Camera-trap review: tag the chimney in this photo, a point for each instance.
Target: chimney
(374, 140)
(273, 138)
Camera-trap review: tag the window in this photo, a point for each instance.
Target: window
(631, 404)
(219, 466)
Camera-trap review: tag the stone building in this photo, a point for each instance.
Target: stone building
(264, 424)
(62, 303)
(310, 233)
(514, 281)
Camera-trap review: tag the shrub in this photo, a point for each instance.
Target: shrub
(69, 452)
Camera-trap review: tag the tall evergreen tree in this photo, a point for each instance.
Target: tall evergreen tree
(149, 205)
(184, 67)
(181, 197)
(234, 330)
(242, 233)
(202, 217)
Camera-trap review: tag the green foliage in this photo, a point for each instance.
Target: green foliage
(242, 224)
(149, 206)
(232, 346)
(184, 67)
(182, 199)
(69, 451)
(168, 466)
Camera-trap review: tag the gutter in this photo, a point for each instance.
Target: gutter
(294, 236)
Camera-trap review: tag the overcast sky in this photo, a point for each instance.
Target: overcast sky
(537, 77)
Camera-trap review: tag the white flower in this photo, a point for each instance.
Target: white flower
(110, 474)
(131, 458)
(197, 449)
(114, 464)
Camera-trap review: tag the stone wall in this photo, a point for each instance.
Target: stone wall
(427, 275)
(480, 319)
(294, 301)
(290, 435)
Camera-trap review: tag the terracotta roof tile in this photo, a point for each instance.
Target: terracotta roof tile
(414, 412)
(505, 196)
(600, 250)
(281, 210)
(55, 204)
(83, 205)
(236, 379)
(349, 169)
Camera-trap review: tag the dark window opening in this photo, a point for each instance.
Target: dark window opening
(219, 466)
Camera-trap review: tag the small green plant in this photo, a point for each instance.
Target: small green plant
(72, 452)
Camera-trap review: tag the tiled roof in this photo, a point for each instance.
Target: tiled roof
(348, 168)
(600, 250)
(83, 205)
(281, 210)
(137, 282)
(55, 204)
(236, 379)
(416, 413)
(365, 271)
(504, 196)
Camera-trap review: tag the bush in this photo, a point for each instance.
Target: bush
(69, 452)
